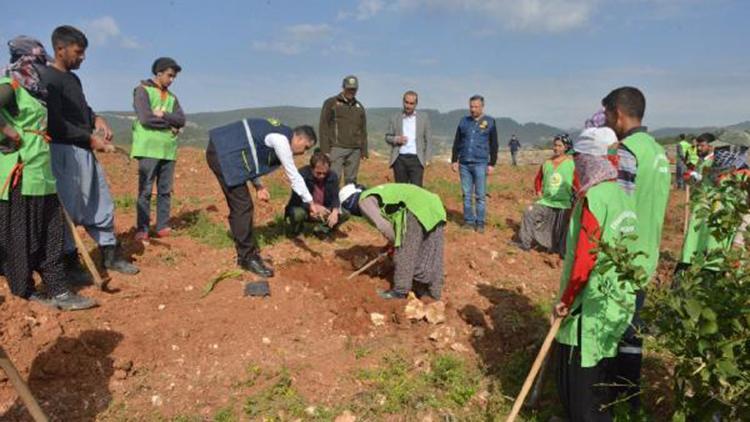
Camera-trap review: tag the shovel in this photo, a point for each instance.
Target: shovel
(368, 265)
(98, 281)
(21, 388)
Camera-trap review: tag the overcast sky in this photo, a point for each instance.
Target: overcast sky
(546, 61)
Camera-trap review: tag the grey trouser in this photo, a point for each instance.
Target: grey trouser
(161, 171)
(83, 191)
(345, 162)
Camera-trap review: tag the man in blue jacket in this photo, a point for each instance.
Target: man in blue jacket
(244, 151)
(474, 156)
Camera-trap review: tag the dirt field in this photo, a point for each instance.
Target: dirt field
(157, 350)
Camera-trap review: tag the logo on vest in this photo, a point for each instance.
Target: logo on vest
(274, 121)
(555, 181)
(624, 223)
(661, 163)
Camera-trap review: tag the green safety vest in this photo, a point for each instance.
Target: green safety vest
(603, 315)
(155, 143)
(698, 238)
(33, 155)
(652, 183)
(425, 205)
(557, 184)
(689, 153)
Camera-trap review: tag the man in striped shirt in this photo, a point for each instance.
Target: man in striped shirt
(643, 172)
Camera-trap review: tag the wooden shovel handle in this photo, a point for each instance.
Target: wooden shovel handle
(368, 265)
(534, 370)
(21, 388)
(84, 253)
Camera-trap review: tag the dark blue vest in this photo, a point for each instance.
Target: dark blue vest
(241, 149)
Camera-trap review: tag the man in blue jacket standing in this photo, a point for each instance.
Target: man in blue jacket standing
(474, 156)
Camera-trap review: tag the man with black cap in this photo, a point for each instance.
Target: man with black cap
(77, 132)
(343, 131)
(159, 120)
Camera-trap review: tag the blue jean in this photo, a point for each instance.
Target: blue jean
(83, 191)
(161, 171)
(474, 182)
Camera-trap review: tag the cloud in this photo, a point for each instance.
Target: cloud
(366, 9)
(105, 30)
(295, 39)
(517, 15)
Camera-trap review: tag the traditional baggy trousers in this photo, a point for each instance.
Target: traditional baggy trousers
(83, 191)
(546, 226)
(31, 239)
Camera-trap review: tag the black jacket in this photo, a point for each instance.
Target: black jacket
(330, 190)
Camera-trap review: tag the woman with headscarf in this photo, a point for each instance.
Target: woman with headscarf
(724, 164)
(544, 222)
(413, 220)
(31, 220)
(596, 308)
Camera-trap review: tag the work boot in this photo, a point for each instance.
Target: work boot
(115, 262)
(256, 265)
(75, 274)
(479, 229)
(67, 301)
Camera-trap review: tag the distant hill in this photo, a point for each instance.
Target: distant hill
(673, 132)
(443, 125)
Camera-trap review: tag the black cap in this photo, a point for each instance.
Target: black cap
(163, 63)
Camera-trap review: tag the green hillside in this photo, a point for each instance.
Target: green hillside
(443, 125)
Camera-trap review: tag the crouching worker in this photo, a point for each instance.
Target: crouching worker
(545, 221)
(413, 221)
(31, 219)
(244, 151)
(596, 306)
(323, 184)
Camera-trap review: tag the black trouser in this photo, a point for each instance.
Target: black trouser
(584, 391)
(408, 169)
(240, 209)
(630, 357)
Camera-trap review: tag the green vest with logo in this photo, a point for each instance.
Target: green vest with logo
(698, 238)
(557, 184)
(155, 143)
(605, 306)
(652, 182)
(425, 205)
(33, 154)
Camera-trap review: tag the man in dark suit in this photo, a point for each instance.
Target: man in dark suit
(323, 184)
(409, 135)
